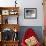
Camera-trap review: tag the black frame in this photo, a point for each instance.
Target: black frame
(25, 9)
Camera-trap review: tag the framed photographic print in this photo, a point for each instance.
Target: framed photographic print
(30, 13)
(5, 12)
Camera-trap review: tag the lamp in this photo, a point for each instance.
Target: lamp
(15, 3)
(15, 30)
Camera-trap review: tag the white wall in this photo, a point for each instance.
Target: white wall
(31, 4)
(27, 4)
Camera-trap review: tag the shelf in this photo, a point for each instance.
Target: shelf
(5, 12)
(2, 8)
(11, 41)
(9, 22)
(9, 19)
(9, 10)
(10, 26)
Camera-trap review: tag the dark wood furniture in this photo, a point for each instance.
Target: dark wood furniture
(4, 13)
(10, 43)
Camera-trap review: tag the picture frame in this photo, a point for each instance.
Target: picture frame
(13, 12)
(30, 13)
(5, 12)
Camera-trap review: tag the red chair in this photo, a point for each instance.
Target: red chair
(29, 33)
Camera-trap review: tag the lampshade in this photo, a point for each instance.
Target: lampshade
(15, 30)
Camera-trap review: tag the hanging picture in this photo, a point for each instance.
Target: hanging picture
(30, 13)
(5, 12)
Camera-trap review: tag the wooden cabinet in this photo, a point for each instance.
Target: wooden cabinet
(9, 43)
(9, 23)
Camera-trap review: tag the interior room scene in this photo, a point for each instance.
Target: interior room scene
(22, 22)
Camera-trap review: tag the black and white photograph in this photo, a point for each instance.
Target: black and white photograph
(30, 13)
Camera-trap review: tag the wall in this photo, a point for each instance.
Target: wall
(31, 4)
(27, 4)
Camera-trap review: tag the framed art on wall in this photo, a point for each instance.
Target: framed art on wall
(30, 13)
(5, 12)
